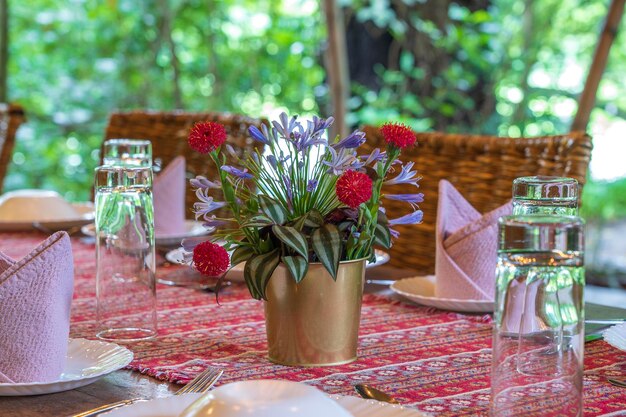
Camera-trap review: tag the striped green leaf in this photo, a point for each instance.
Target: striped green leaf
(326, 242)
(313, 219)
(297, 266)
(291, 237)
(382, 236)
(273, 209)
(259, 220)
(258, 270)
(241, 254)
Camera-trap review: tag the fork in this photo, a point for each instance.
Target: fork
(200, 384)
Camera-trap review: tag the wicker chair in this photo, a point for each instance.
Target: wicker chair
(482, 168)
(11, 116)
(168, 132)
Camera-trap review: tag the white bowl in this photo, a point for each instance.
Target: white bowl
(265, 398)
(35, 206)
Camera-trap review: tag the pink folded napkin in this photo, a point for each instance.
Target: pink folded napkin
(466, 247)
(35, 298)
(169, 199)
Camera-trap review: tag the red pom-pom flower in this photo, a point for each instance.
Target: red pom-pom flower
(398, 135)
(354, 188)
(206, 137)
(210, 259)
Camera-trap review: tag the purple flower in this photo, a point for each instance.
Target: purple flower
(286, 126)
(342, 161)
(353, 140)
(394, 233)
(206, 204)
(306, 139)
(311, 185)
(256, 134)
(213, 222)
(271, 159)
(375, 156)
(320, 125)
(237, 172)
(412, 218)
(406, 176)
(203, 182)
(409, 198)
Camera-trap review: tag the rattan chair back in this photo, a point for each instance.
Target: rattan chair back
(168, 132)
(482, 168)
(11, 117)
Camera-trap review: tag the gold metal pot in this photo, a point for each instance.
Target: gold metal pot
(315, 322)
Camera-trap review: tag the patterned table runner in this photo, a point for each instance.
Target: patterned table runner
(437, 362)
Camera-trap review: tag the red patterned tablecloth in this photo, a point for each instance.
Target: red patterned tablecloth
(437, 362)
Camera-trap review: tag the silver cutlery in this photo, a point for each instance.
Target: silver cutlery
(372, 393)
(380, 281)
(200, 384)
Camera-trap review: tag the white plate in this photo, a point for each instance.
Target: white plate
(421, 290)
(85, 211)
(87, 361)
(616, 336)
(175, 256)
(172, 406)
(192, 228)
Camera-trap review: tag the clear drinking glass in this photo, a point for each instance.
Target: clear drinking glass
(127, 152)
(125, 254)
(545, 195)
(538, 334)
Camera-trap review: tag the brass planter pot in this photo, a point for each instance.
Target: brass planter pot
(315, 322)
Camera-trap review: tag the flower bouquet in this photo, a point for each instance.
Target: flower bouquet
(304, 203)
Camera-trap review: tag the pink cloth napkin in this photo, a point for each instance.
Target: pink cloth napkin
(35, 298)
(466, 247)
(169, 199)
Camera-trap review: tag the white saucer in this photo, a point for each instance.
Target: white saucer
(421, 290)
(192, 228)
(176, 256)
(616, 336)
(173, 406)
(85, 211)
(87, 361)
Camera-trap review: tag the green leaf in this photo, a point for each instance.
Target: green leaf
(326, 242)
(343, 226)
(258, 272)
(382, 236)
(273, 209)
(291, 237)
(259, 220)
(241, 254)
(297, 266)
(313, 219)
(252, 205)
(299, 222)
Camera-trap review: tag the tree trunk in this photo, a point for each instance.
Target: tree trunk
(167, 29)
(337, 65)
(4, 49)
(588, 96)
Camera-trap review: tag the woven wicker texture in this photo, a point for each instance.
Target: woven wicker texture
(482, 168)
(168, 132)
(11, 117)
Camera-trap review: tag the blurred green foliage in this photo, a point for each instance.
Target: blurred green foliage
(515, 67)
(73, 62)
